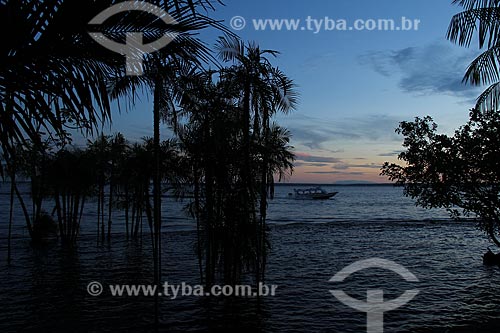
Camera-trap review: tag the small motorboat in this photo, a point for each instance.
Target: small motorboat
(315, 193)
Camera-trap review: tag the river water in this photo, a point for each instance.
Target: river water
(45, 289)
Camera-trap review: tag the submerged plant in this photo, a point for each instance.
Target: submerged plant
(71, 184)
(235, 153)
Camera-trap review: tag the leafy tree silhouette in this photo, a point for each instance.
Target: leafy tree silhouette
(459, 173)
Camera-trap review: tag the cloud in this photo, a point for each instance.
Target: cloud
(367, 166)
(304, 157)
(346, 166)
(315, 133)
(390, 154)
(317, 165)
(437, 68)
(317, 62)
(321, 134)
(380, 62)
(341, 166)
(338, 165)
(335, 173)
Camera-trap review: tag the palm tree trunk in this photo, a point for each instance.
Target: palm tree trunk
(59, 216)
(80, 216)
(11, 215)
(98, 213)
(262, 239)
(246, 137)
(127, 208)
(110, 203)
(247, 182)
(25, 211)
(101, 197)
(132, 221)
(158, 90)
(197, 215)
(211, 244)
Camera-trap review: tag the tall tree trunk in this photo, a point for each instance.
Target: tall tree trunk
(101, 195)
(59, 216)
(158, 91)
(247, 168)
(98, 213)
(110, 203)
(127, 208)
(211, 244)
(80, 216)
(197, 216)
(11, 215)
(262, 236)
(246, 138)
(25, 211)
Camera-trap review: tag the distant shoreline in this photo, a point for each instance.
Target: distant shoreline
(282, 184)
(323, 184)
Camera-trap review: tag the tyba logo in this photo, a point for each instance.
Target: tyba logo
(134, 48)
(374, 305)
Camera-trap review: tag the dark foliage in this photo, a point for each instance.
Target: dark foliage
(459, 172)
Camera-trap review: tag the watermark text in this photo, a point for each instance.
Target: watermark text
(325, 24)
(174, 291)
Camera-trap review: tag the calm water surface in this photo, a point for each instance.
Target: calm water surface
(45, 289)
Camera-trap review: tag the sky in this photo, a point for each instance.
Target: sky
(355, 86)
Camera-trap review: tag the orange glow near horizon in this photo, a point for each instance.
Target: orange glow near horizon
(329, 170)
(304, 175)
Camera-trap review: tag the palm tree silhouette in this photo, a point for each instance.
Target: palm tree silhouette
(265, 91)
(54, 78)
(50, 76)
(71, 183)
(482, 17)
(118, 148)
(229, 178)
(31, 162)
(100, 151)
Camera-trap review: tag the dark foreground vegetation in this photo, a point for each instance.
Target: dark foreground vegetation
(460, 172)
(226, 150)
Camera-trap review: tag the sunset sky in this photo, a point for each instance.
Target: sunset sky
(355, 86)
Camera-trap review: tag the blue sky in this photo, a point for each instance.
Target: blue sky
(355, 86)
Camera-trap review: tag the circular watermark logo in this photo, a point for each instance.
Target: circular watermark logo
(94, 289)
(134, 48)
(238, 23)
(374, 306)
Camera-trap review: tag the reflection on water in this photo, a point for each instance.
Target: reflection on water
(45, 289)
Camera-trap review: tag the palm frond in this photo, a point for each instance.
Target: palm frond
(485, 68)
(230, 48)
(287, 96)
(472, 4)
(484, 21)
(52, 75)
(489, 100)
